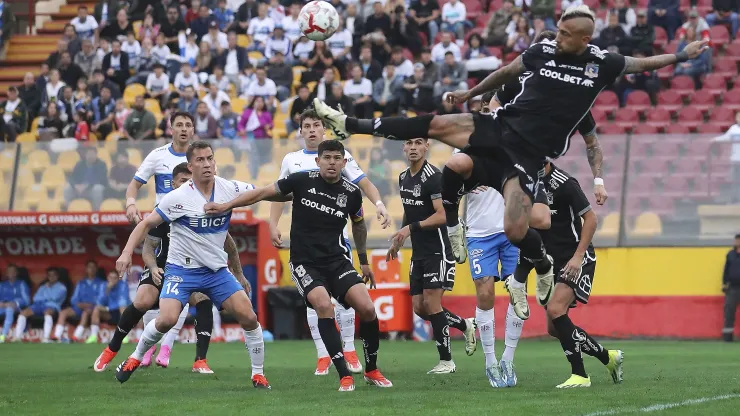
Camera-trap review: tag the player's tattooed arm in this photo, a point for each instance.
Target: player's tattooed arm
(498, 78)
(594, 153)
(147, 253)
(250, 197)
(651, 63)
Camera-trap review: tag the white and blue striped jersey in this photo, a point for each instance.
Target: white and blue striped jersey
(159, 163)
(197, 239)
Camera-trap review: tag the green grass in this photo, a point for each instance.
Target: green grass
(58, 380)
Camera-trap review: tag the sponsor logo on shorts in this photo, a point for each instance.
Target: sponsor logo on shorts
(476, 252)
(306, 280)
(346, 273)
(174, 279)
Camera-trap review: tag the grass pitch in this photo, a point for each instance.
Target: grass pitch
(661, 377)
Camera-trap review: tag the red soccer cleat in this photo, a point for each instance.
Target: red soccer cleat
(104, 359)
(347, 383)
(260, 382)
(201, 366)
(376, 378)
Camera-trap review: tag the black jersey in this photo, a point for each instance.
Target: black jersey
(417, 193)
(508, 92)
(320, 213)
(556, 94)
(567, 203)
(162, 234)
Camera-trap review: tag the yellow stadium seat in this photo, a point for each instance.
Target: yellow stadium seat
(33, 195)
(53, 177)
(25, 178)
(243, 41)
(609, 226)
(397, 167)
(152, 104)
(113, 136)
(311, 85)
(238, 104)
(242, 173)
(22, 205)
(648, 224)
(49, 205)
(112, 205)
(134, 156)
(132, 91)
(104, 155)
(35, 125)
(38, 160)
(224, 156)
(268, 172)
(26, 138)
(256, 55)
(137, 25)
(395, 208)
(67, 160)
(7, 159)
(79, 205)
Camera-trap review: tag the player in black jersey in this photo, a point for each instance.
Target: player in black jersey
(506, 150)
(320, 264)
(432, 269)
(569, 242)
(154, 254)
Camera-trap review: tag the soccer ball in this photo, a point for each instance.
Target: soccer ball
(319, 20)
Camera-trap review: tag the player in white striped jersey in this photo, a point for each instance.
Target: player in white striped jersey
(196, 261)
(312, 132)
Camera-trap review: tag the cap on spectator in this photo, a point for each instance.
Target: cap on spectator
(693, 13)
(213, 24)
(642, 13)
(418, 65)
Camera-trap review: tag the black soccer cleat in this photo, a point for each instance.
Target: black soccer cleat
(126, 368)
(260, 382)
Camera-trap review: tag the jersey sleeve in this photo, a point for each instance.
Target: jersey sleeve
(587, 125)
(575, 196)
(146, 170)
(355, 206)
(290, 184)
(533, 57)
(242, 187)
(507, 92)
(433, 186)
(284, 168)
(352, 170)
(170, 208)
(614, 65)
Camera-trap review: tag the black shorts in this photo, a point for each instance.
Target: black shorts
(582, 285)
(336, 276)
(433, 272)
(498, 155)
(146, 279)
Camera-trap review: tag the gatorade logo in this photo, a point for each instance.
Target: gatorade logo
(384, 308)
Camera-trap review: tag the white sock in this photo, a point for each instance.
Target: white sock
(313, 325)
(514, 327)
(48, 324)
(79, 331)
(149, 316)
(149, 337)
(58, 330)
(94, 330)
(256, 347)
(217, 330)
(20, 326)
(169, 339)
(346, 320)
(487, 331)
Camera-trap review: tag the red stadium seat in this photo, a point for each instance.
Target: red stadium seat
(671, 46)
(494, 5)
(703, 100)
(599, 114)
(670, 100)
(473, 9)
(607, 99)
(725, 67)
(642, 4)
(609, 128)
(659, 117)
(732, 51)
(593, 4)
(408, 54)
(645, 129)
(510, 57)
(690, 117)
(710, 127)
(715, 84)
(477, 30)
(731, 100)
(639, 100)
(483, 19)
(496, 51)
(665, 73)
(627, 118)
(424, 39)
(698, 147)
(720, 35)
(723, 117)
(683, 85)
(661, 37)
(677, 129)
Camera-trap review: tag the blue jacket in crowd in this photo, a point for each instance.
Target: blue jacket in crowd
(51, 295)
(117, 297)
(88, 291)
(16, 291)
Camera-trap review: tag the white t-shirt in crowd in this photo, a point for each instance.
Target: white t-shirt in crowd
(133, 50)
(273, 45)
(339, 41)
(439, 50)
(260, 29)
(181, 81)
(354, 89)
(214, 105)
(86, 29)
(292, 28)
(156, 84)
(268, 89)
(221, 40)
(303, 49)
(454, 13)
(161, 53)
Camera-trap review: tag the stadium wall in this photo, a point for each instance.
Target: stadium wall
(637, 292)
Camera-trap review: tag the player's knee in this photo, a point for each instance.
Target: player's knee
(419, 308)
(49, 312)
(432, 306)
(556, 310)
(323, 307)
(484, 299)
(515, 230)
(460, 163)
(143, 304)
(248, 320)
(366, 311)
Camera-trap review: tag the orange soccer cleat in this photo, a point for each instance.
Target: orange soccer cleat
(201, 366)
(126, 368)
(376, 378)
(353, 363)
(322, 366)
(347, 383)
(260, 382)
(104, 359)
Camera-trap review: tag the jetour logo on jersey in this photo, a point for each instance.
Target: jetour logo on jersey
(571, 79)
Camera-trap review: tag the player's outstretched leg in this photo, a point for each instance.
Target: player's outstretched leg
(203, 331)
(163, 358)
(324, 361)
(456, 172)
(345, 317)
(320, 301)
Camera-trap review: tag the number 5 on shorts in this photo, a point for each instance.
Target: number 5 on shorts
(172, 288)
(476, 266)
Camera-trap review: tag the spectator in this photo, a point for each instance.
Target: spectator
(7, 22)
(186, 78)
(276, 11)
(733, 136)
(87, 180)
(291, 25)
(626, 16)
(69, 72)
(371, 68)
(646, 81)
(425, 13)
(204, 60)
(521, 38)
(110, 306)
(545, 10)
(323, 88)
(47, 301)
(158, 85)
(403, 31)
(446, 107)
(377, 26)
(233, 60)
(477, 59)
(213, 100)
(379, 171)
(50, 123)
(447, 45)
(53, 88)
(144, 65)
(302, 51)
(279, 43)
(140, 124)
(56, 56)
(453, 18)
(30, 95)
(281, 74)
(419, 95)
(122, 113)
(205, 125)
(495, 31)
(724, 13)
(15, 115)
(84, 298)
(116, 66)
(66, 107)
(665, 13)
(103, 113)
(14, 297)
(431, 71)
(200, 25)
(105, 11)
(404, 67)
(340, 46)
(214, 37)
(165, 124)
(387, 92)
(731, 288)
(74, 43)
(170, 29)
(694, 67)
(81, 97)
(336, 98)
(132, 48)
(87, 59)
(360, 92)
(263, 87)
(187, 102)
(355, 26)
(103, 49)
(149, 29)
(452, 76)
(244, 15)
(255, 124)
(193, 12)
(223, 15)
(696, 22)
(613, 36)
(82, 128)
(228, 122)
(119, 29)
(318, 60)
(260, 28)
(218, 78)
(189, 52)
(301, 103)
(642, 33)
(43, 78)
(99, 81)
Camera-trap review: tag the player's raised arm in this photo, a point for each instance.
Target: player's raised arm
(651, 63)
(495, 80)
(251, 197)
(123, 264)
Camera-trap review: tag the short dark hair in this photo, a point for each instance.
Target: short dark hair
(449, 53)
(185, 114)
(197, 145)
(331, 146)
(302, 86)
(309, 113)
(87, 263)
(545, 34)
(397, 49)
(12, 88)
(52, 269)
(82, 7)
(180, 169)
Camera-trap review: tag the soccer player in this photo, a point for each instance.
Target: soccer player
(196, 260)
(84, 298)
(312, 132)
(47, 301)
(320, 264)
(569, 242)
(432, 269)
(506, 150)
(110, 306)
(14, 297)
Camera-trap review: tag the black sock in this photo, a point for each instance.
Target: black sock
(370, 336)
(593, 348)
(393, 128)
(571, 347)
(523, 267)
(333, 343)
(452, 184)
(532, 248)
(129, 318)
(455, 321)
(441, 330)
(203, 328)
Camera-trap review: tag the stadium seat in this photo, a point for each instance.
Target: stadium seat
(643, 128)
(483, 19)
(112, 205)
(610, 128)
(626, 118)
(243, 41)
(639, 100)
(131, 92)
(33, 195)
(723, 117)
(397, 166)
(238, 104)
(724, 66)
(731, 100)
(469, 33)
(49, 205)
(666, 73)
(224, 156)
(677, 129)
(659, 117)
(691, 117)
(732, 51)
(608, 101)
(720, 35)
(683, 85)
(661, 37)
(599, 114)
(68, 159)
(152, 105)
(670, 100)
(24, 178)
(671, 46)
(79, 205)
(26, 138)
(134, 156)
(714, 84)
(473, 9)
(702, 100)
(38, 160)
(53, 177)
(710, 128)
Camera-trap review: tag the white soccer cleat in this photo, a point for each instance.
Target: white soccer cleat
(444, 367)
(518, 298)
(470, 341)
(507, 373)
(458, 244)
(333, 119)
(545, 284)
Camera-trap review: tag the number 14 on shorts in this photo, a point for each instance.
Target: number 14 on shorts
(171, 288)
